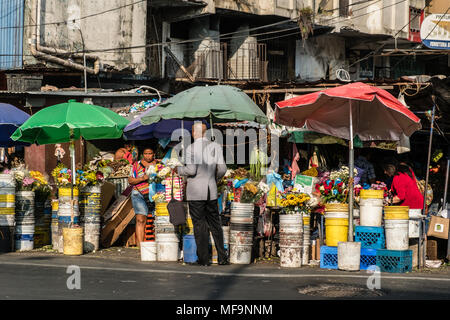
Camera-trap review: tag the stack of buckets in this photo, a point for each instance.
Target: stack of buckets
(336, 223)
(291, 239)
(167, 242)
(90, 216)
(396, 224)
(241, 232)
(7, 211)
(306, 239)
(54, 225)
(43, 215)
(65, 214)
(25, 222)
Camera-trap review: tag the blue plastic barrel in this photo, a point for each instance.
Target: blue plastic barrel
(189, 249)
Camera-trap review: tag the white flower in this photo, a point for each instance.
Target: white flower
(263, 187)
(150, 170)
(228, 173)
(173, 163)
(164, 172)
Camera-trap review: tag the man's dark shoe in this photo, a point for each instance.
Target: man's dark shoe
(202, 264)
(224, 263)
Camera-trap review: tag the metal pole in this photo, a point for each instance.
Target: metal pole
(429, 158)
(422, 243)
(444, 205)
(84, 62)
(351, 176)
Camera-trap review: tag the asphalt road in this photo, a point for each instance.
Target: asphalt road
(47, 277)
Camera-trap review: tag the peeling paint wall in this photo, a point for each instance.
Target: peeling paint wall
(125, 27)
(283, 8)
(373, 17)
(317, 55)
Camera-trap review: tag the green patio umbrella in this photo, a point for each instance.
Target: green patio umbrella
(69, 121)
(218, 103)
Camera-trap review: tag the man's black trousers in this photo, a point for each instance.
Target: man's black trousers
(205, 218)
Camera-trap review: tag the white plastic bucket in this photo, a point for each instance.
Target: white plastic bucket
(24, 203)
(241, 243)
(413, 229)
(148, 251)
(397, 234)
(242, 209)
(91, 237)
(371, 212)
(7, 180)
(415, 213)
(167, 247)
(7, 220)
(291, 250)
(336, 214)
(349, 256)
(24, 245)
(291, 223)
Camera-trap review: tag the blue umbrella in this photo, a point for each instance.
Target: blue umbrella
(163, 129)
(10, 119)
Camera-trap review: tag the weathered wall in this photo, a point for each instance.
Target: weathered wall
(317, 55)
(125, 27)
(374, 17)
(283, 8)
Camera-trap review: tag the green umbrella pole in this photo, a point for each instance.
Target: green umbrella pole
(72, 162)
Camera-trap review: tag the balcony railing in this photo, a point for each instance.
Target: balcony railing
(248, 62)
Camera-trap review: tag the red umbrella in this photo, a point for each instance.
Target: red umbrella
(377, 115)
(346, 111)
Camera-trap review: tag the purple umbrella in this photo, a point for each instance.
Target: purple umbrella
(10, 119)
(135, 130)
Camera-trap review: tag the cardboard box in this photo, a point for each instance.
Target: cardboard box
(438, 227)
(114, 228)
(108, 190)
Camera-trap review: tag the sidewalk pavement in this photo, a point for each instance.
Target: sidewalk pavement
(128, 259)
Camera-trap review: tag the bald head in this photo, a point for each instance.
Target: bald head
(198, 130)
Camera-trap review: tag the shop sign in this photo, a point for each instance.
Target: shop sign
(435, 31)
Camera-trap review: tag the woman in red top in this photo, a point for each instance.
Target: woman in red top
(404, 187)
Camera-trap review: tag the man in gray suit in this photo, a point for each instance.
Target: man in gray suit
(204, 166)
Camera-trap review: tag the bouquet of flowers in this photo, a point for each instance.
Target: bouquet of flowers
(89, 177)
(159, 197)
(251, 193)
(332, 191)
(158, 173)
(62, 176)
(42, 189)
(342, 174)
(295, 202)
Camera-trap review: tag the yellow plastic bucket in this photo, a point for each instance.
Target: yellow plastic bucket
(336, 230)
(372, 194)
(396, 213)
(73, 241)
(161, 209)
(336, 207)
(306, 221)
(66, 192)
(55, 205)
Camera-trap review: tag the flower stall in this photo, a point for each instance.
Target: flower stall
(31, 213)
